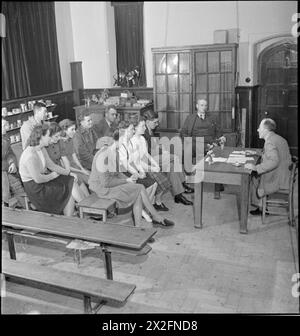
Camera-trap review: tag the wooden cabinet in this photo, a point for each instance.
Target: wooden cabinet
(182, 75)
(97, 112)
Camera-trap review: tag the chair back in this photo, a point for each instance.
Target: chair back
(294, 171)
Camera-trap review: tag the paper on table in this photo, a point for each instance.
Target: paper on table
(242, 160)
(219, 159)
(238, 152)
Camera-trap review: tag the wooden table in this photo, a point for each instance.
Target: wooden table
(107, 235)
(225, 173)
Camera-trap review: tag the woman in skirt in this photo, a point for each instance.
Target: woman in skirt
(107, 182)
(57, 153)
(144, 162)
(51, 193)
(126, 131)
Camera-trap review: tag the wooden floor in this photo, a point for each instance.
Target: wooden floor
(213, 270)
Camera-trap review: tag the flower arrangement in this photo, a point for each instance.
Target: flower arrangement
(128, 79)
(218, 142)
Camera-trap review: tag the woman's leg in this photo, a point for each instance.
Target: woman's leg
(70, 207)
(148, 205)
(84, 189)
(158, 197)
(77, 193)
(151, 191)
(137, 211)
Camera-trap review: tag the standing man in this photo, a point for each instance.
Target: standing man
(201, 125)
(39, 116)
(273, 172)
(107, 125)
(177, 179)
(84, 140)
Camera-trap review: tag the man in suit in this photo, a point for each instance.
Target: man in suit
(107, 125)
(272, 173)
(177, 179)
(201, 125)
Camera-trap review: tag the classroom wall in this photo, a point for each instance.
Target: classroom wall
(191, 23)
(86, 32)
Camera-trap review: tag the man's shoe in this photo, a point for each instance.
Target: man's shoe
(160, 207)
(181, 199)
(188, 189)
(164, 223)
(151, 240)
(256, 212)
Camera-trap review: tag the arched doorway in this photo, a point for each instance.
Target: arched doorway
(278, 88)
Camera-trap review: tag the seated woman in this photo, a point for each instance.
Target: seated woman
(12, 187)
(126, 130)
(107, 182)
(55, 150)
(51, 192)
(143, 160)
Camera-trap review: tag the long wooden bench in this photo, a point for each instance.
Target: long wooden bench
(87, 287)
(110, 237)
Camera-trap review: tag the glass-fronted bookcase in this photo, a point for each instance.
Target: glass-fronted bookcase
(182, 75)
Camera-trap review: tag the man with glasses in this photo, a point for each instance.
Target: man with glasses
(108, 124)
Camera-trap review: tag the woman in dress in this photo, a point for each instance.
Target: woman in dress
(51, 193)
(107, 182)
(145, 163)
(69, 157)
(55, 151)
(127, 166)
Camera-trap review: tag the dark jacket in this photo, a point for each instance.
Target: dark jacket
(103, 129)
(84, 141)
(194, 127)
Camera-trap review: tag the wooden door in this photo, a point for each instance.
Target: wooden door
(278, 92)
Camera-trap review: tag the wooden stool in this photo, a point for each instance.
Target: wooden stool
(95, 205)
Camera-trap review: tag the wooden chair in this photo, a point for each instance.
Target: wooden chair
(283, 198)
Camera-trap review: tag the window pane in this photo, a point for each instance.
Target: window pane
(274, 97)
(184, 63)
(172, 102)
(226, 82)
(172, 83)
(201, 64)
(173, 120)
(160, 63)
(226, 102)
(162, 119)
(292, 97)
(214, 102)
(172, 63)
(292, 75)
(184, 83)
(201, 83)
(214, 83)
(184, 104)
(226, 61)
(161, 83)
(274, 75)
(161, 102)
(213, 61)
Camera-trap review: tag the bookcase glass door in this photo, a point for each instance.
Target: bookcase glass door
(214, 82)
(172, 88)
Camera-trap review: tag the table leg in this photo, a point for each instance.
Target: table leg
(198, 202)
(245, 190)
(107, 263)
(11, 245)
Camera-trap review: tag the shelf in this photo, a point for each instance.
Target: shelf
(52, 105)
(13, 129)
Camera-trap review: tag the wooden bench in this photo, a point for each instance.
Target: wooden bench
(87, 287)
(97, 206)
(110, 237)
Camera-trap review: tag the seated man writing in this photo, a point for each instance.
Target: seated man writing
(273, 171)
